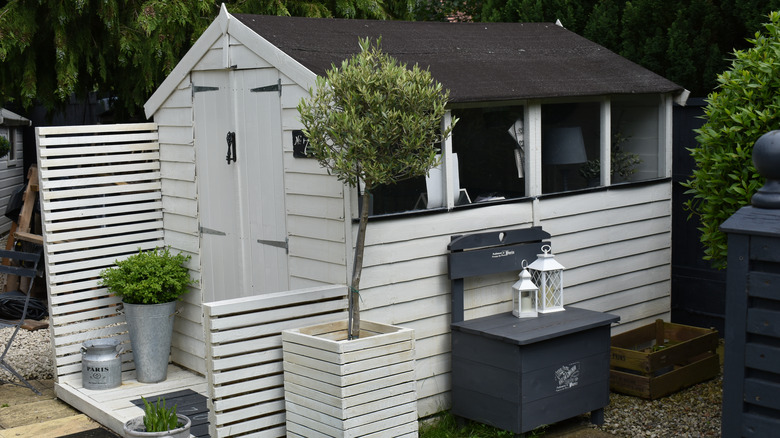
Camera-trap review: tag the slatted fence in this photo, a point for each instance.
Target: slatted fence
(101, 200)
(244, 355)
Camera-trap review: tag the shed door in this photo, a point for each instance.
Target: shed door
(241, 203)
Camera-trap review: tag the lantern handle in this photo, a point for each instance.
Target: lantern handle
(524, 264)
(546, 249)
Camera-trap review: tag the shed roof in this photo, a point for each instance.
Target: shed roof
(9, 118)
(475, 61)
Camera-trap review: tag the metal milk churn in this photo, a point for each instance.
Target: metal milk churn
(101, 365)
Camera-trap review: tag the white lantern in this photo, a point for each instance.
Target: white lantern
(524, 296)
(547, 274)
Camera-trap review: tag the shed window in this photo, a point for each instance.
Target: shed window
(489, 146)
(571, 134)
(491, 153)
(637, 136)
(13, 137)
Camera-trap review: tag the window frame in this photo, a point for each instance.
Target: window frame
(532, 137)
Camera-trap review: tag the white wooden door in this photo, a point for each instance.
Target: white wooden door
(241, 202)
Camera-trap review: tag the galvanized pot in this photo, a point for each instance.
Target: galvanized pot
(151, 328)
(101, 365)
(135, 428)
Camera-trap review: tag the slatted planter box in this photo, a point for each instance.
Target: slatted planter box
(339, 388)
(659, 359)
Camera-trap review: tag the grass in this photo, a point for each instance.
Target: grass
(446, 426)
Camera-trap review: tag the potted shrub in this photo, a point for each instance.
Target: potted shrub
(372, 121)
(149, 283)
(158, 421)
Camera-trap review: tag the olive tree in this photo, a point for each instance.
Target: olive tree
(744, 106)
(373, 121)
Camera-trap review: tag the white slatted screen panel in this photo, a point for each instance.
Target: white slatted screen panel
(244, 355)
(101, 200)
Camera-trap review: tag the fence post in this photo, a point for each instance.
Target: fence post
(751, 380)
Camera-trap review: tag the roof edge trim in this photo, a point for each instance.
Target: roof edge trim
(283, 62)
(212, 33)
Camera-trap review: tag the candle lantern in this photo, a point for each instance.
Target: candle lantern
(524, 296)
(547, 274)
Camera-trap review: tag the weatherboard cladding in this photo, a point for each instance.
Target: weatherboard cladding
(475, 61)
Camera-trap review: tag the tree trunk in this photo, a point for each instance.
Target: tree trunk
(357, 270)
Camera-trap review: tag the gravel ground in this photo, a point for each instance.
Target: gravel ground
(690, 413)
(31, 354)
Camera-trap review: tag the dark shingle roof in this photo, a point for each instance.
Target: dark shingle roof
(476, 61)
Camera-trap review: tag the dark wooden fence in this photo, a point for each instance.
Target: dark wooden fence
(698, 291)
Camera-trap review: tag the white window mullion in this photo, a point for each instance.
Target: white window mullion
(533, 149)
(606, 142)
(448, 163)
(665, 137)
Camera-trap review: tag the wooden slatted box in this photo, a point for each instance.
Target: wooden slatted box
(339, 388)
(659, 359)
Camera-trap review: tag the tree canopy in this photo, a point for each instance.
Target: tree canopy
(51, 49)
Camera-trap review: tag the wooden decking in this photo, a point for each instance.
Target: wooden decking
(113, 407)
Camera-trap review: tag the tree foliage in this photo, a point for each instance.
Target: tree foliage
(745, 105)
(51, 50)
(373, 121)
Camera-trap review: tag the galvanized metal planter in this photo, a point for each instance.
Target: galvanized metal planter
(135, 428)
(342, 388)
(101, 365)
(151, 329)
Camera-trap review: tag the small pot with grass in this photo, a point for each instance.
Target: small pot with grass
(158, 421)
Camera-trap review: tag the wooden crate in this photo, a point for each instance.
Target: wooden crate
(661, 358)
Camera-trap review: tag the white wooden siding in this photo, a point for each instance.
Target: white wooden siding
(317, 211)
(94, 212)
(174, 120)
(244, 358)
(615, 245)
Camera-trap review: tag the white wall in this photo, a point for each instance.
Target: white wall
(615, 245)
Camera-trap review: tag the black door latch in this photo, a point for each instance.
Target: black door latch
(231, 147)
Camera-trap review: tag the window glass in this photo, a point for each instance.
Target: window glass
(14, 138)
(488, 144)
(636, 139)
(402, 196)
(570, 146)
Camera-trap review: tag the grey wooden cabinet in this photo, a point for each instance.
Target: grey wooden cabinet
(518, 374)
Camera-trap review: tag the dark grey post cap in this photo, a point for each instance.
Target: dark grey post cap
(766, 158)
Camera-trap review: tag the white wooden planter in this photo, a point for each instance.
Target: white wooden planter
(339, 388)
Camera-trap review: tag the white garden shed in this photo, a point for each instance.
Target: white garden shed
(227, 180)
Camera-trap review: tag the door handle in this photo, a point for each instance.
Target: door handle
(231, 147)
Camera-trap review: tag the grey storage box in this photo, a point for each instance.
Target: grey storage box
(518, 374)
